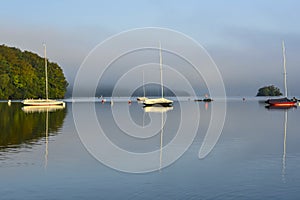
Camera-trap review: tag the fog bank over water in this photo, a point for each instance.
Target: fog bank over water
(243, 38)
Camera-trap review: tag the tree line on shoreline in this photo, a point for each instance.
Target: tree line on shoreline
(22, 75)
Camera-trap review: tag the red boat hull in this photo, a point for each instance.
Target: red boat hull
(286, 104)
(282, 102)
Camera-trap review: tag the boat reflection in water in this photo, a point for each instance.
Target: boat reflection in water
(273, 107)
(45, 109)
(162, 110)
(285, 110)
(157, 109)
(284, 146)
(39, 109)
(27, 126)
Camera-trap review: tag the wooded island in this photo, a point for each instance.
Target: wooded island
(22, 75)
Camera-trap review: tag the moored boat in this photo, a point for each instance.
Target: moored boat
(47, 101)
(283, 102)
(41, 102)
(159, 101)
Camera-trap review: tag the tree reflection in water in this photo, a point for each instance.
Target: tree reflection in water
(21, 127)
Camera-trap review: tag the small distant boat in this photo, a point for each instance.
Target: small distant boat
(206, 99)
(159, 101)
(283, 102)
(142, 99)
(47, 101)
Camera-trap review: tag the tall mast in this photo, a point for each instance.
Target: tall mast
(284, 68)
(161, 74)
(46, 71)
(144, 84)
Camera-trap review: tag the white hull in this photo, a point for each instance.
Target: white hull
(158, 101)
(42, 102)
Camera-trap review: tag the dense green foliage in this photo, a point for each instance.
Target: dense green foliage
(22, 75)
(270, 90)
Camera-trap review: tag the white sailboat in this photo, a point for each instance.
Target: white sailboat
(47, 101)
(159, 101)
(141, 99)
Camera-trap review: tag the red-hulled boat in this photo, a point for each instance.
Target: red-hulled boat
(282, 102)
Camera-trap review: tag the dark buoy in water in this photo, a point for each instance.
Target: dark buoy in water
(207, 99)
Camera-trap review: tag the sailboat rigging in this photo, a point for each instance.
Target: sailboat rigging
(283, 102)
(144, 97)
(47, 101)
(159, 101)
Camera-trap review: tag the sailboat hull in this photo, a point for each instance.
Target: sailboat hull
(160, 102)
(280, 107)
(42, 102)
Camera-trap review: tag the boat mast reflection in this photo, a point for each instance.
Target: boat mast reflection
(284, 146)
(46, 140)
(162, 110)
(46, 109)
(285, 109)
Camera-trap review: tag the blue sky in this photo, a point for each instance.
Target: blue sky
(243, 37)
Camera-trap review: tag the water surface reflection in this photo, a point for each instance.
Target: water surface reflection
(257, 156)
(25, 126)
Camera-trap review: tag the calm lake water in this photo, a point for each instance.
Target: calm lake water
(42, 155)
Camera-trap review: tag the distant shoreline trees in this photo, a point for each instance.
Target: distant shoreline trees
(270, 90)
(22, 75)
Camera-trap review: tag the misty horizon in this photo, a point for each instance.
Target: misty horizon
(245, 45)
